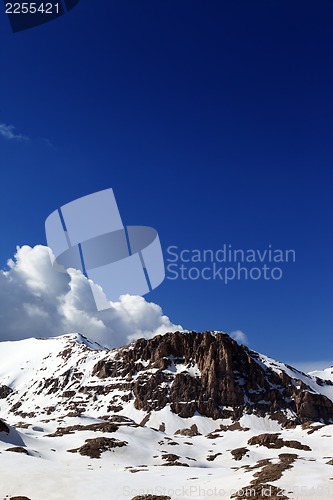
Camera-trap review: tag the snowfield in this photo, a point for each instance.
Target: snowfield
(45, 453)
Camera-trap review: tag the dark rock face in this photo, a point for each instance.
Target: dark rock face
(193, 431)
(4, 427)
(5, 391)
(221, 379)
(151, 497)
(313, 407)
(18, 449)
(239, 453)
(260, 487)
(193, 373)
(95, 447)
(211, 458)
(19, 498)
(170, 457)
(101, 427)
(274, 441)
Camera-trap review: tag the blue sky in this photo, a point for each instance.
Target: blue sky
(212, 122)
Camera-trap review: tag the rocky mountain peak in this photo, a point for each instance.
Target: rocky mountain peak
(211, 374)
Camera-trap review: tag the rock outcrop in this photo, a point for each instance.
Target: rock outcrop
(191, 373)
(211, 374)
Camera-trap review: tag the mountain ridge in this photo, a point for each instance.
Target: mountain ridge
(157, 417)
(207, 373)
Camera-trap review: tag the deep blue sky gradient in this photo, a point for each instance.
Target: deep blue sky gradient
(212, 121)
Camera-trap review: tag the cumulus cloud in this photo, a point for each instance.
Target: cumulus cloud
(38, 301)
(8, 132)
(239, 336)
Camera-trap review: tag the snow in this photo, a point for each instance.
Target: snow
(308, 379)
(51, 472)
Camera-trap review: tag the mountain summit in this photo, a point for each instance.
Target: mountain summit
(188, 372)
(194, 401)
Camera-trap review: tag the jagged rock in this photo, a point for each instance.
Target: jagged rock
(170, 457)
(313, 407)
(228, 373)
(311, 428)
(211, 458)
(239, 453)
(151, 497)
(193, 373)
(192, 431)
(19, 498)
(95, 447)
(213, 435)
(176, 464)
(274, 441)
(5, 391)
(18, 449)
(4, 427)
(101, 427)
(260, 487)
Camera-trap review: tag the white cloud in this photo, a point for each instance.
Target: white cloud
(239, 336)
(37, 301)
(8, 132)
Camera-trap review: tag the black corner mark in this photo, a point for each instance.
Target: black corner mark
(24, 15)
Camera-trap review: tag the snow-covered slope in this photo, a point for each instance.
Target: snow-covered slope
(185, 415)
(320, 382)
